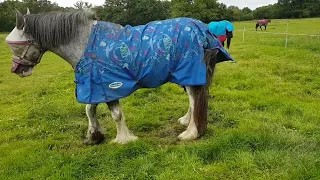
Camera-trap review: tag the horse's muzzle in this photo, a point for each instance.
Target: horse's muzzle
(26, 55)
(14, 66)
(21, 69)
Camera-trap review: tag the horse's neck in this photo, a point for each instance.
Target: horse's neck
(73, 51)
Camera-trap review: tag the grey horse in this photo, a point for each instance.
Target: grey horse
(67, 34)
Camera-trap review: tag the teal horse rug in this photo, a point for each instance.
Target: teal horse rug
(220, 29)
(119, 60)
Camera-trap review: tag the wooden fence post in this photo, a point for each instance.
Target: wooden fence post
(286, 44)
(244, 29)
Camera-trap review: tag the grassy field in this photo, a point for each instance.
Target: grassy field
(296, 28)
(264, 119)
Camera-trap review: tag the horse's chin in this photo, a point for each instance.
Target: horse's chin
(26, 73)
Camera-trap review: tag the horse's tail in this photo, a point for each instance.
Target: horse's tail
(210, 58)
(200, 113)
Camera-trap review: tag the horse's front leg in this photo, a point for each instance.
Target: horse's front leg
(123, 133)
(94, 135)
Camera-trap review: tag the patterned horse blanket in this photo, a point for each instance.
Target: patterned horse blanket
(119, 60)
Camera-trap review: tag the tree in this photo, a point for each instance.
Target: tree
(264, 12)
(7, 14)
(40, 6)
(143, 11)
(204, 10)
(299, 8)
(134, 12)
(246, 10)
(82, 5)
(7, 10)
(113, 11)
(233, 13)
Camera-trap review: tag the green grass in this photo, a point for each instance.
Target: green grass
(264, 120)
(295, 27)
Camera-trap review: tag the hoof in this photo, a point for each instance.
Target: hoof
(184, 121)
(94, 138)
(124, 139)
(189, 134)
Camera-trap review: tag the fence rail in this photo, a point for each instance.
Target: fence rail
(287, 34)
(279, 33)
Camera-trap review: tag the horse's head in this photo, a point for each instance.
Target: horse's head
(269, 20)
(26, 52)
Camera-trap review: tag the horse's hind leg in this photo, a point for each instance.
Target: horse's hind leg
(94, 135)
(198, 112)
(123, 133)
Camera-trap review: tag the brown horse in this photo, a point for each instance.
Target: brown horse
(263, 22)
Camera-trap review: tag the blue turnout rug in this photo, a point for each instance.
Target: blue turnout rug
(119, 60)
(219, 28)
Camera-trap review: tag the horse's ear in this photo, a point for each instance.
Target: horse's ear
(19, 20)
(28, 11)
